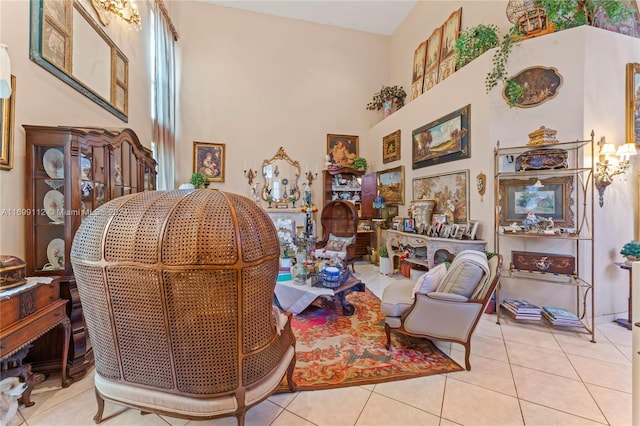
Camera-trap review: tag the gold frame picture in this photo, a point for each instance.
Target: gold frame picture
(391, 185)
(391, 147)
(209, 159)
(7, 114)
(343, 147)
(452, 186)
(633, 103)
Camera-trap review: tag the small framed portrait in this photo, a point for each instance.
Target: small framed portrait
(409, 225)
(342, 149)
(454, 230)
(445, 230)
(472, 230)
(391, 147)
(462, 230)
(208, 159)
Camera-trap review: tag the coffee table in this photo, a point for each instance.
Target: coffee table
(296, 297)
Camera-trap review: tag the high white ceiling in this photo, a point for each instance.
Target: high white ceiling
(375, 16)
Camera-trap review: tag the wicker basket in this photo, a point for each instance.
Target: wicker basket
(333, 277)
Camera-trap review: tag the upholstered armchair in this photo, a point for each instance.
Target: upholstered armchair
(177, 289)
(444, 304)
(339, 221)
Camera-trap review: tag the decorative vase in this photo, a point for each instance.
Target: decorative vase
(385, 266)
(630, 259)
(387, 106)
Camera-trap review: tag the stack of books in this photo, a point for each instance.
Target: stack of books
(561, 316)
(522, 310)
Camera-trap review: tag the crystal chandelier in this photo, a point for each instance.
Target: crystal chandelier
(123, 9)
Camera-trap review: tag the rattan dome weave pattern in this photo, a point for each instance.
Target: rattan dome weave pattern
(177, 290)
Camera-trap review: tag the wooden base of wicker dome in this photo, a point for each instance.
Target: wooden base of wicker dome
(177, 290)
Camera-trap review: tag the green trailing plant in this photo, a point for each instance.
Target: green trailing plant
(360, 163)
(499, 72)
(395, 94)
(474, 41)
(382, 251)
(198, 180)
(515, 92)
(631, 249)
(573, 13)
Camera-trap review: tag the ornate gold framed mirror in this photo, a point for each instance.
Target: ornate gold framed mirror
(280, 175)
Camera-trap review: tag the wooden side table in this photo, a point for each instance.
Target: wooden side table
(626, 322)
(26, 313)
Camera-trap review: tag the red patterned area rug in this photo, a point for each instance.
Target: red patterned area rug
(337, 351)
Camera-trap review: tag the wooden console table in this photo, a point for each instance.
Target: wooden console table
(26, 313)
(431, 244)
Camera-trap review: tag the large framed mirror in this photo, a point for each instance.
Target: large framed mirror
(66, 41)
(280, 175)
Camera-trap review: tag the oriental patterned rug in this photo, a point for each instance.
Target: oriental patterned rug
(337, 351)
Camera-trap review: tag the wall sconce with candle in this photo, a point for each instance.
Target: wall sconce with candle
(608, 166)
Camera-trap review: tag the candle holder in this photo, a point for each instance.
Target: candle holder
(251, 175)
(311, 177)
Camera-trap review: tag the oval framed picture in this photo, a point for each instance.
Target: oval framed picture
(536, 85)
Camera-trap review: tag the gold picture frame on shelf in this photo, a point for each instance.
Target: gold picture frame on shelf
(518, 198)
(7, 114)
(208, 159)
(391, 147)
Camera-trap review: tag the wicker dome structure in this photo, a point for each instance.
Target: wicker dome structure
(177, 291)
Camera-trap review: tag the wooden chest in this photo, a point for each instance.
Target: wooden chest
(12, 272)
(545, 263)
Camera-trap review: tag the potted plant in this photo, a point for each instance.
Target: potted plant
(385, 262)
(360, 163)
(198, 180)
(388, 98)
(474, 41)
(631, 251)
(573, 13)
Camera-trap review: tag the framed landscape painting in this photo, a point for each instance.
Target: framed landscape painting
(6, 125)
(432, 60)
(391, 185)
(518, 198)
(418, 69)
(445, 139)
(442, 188)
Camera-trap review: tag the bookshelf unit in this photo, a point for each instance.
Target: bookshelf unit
(544, 222)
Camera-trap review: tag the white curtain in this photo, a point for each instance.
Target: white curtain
(164, 99)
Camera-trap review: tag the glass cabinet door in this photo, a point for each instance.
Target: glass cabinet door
(50, 208)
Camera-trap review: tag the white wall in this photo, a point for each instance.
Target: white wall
(43, 99)
(257, 82)
(592, 97)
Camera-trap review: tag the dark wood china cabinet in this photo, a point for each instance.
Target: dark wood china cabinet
(70, 172)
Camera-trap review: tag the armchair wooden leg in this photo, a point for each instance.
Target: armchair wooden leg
(387, 331)
(240, 417)
(98, 417)
(292, 365)
(467, 354)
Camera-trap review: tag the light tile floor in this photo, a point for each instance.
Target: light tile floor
(521, 374)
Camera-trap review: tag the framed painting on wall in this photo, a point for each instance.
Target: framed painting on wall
(391, 147)
(445, 139)
(453, 187)
(418, 69)
(518, 198)
(450, 31)
(6, 126)
(540, 84)
(208, 159)
(633, 103)
(432, 60)
(391, 185)
(342, 149)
